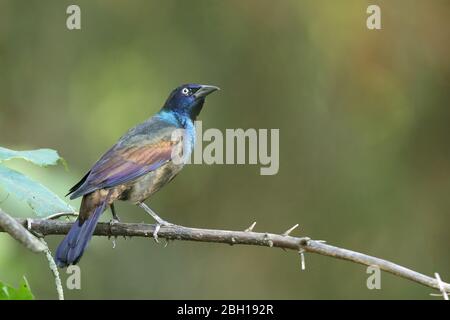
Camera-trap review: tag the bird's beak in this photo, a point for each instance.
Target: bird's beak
(204, 91)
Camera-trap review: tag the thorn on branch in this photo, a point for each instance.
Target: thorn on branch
(287, 232)
(166, 242)
(250, 229)
(61, 214)
(441, 286)
(302, 258)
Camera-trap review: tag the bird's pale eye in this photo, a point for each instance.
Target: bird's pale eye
(185, 91)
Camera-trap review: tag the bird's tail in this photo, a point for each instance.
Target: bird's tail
(72, 247)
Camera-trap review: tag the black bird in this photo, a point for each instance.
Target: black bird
(143, 160)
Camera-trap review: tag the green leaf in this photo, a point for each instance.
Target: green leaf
(41, 157)
(23, 292)
(5, 291)
(39, 198)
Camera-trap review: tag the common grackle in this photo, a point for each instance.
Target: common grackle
(137, 166)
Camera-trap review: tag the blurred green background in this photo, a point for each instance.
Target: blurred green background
(364, 137)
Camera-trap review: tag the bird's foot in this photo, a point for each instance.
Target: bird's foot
(160, 222)
(155, 232)
(164, 223)
(113, 221)
(115, 217)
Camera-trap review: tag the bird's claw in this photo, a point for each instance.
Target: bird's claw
(158, 227)
(155, 232)
(164, 223)
(114, 221)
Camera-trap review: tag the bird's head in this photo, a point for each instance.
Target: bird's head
(188, 99)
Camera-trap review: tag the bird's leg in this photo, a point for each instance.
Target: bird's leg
(159, 221)
(114, 214)
(154, 215)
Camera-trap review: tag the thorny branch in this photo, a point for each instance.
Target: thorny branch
(26, 237)
(19, 232)
(249, 237)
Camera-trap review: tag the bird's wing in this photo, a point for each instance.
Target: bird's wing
(129, 159)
